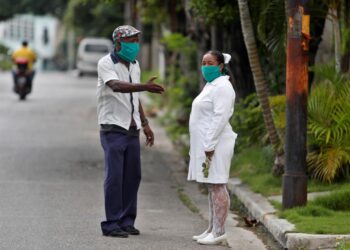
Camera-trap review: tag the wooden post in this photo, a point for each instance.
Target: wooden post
(294, 178)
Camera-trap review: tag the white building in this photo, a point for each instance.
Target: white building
(39, 31)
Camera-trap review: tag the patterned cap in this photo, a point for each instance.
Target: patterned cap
(124, 31)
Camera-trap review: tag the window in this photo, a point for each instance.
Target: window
(96, 48)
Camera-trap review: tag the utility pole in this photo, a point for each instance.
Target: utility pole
(71, 49)
(294, 178)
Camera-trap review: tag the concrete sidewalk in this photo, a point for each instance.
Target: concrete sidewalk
(238, 237)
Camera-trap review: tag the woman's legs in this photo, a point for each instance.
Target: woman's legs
(211, 209)
(219, 203)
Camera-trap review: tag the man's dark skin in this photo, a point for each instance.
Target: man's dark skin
(126, 87)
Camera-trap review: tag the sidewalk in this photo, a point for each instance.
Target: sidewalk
(238, 237)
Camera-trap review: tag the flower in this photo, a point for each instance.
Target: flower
(205, 166)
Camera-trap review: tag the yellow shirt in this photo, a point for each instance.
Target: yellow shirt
(26, 53)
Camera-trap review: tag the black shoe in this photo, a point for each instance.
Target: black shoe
(131, 230)
(117, 233)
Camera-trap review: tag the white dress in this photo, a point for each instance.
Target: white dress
(210, 130)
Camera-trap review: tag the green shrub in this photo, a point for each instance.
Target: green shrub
(329, 125)
(247, 121)
(182, 86)
(5, 60)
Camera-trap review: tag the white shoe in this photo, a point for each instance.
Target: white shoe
(211, 240)
(201, 236)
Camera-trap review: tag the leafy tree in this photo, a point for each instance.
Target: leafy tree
(39, 7)
(222, 24)
(217, 11)
(260, 84)
(94, 18)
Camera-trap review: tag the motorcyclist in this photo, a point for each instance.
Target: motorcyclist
(25, 53)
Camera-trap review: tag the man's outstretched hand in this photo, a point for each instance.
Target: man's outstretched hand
(153, 87)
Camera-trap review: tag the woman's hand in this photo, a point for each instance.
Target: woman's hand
(209, 154)
(149, 135)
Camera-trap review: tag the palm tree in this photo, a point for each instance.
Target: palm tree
(260, 85)
(333, 12)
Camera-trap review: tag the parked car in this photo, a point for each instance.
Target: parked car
(90, 50)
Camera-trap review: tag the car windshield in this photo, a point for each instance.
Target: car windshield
(96, 48)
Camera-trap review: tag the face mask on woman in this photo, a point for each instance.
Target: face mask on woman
(128, 51)
(211, 72)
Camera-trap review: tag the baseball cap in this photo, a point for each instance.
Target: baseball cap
(124, 31)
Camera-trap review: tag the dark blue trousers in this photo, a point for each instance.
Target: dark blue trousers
(122, 179)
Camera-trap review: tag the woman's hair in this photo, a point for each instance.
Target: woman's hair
(218, 55)
(220, 59)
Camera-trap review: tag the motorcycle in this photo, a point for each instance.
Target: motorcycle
(22, 78)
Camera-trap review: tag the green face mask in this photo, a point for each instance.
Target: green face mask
(128, 51)
(211, 72)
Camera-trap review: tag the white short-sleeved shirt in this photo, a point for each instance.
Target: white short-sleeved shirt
(114, 107)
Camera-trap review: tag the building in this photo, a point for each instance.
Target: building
(39, 31)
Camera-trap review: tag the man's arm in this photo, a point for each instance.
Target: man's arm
(143, 118)
(126, 87)
(146, 128)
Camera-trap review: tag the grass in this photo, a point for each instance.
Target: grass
(5, 63)
(187, 201)
(343, 245)
(328, 214)
(253, 166)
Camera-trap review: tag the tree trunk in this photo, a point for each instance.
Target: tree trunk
(197, 31)
(216, 37)
(317, 27)
(345, 24)
(337, 37)
(243, 81)
(260, 83)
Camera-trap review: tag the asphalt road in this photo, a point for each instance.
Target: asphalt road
(51, 175)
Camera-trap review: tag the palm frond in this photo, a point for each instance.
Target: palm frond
(272, 28)
(327, 72)
(326, 164)
(329, 125)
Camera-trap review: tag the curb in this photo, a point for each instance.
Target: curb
(281, 229)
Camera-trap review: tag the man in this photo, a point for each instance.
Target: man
(28, 55)
(121, 116)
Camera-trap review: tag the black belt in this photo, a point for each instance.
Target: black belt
(133, 131)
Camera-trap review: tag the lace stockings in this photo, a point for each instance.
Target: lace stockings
(219, 203)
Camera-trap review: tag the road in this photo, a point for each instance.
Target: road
(51, 175)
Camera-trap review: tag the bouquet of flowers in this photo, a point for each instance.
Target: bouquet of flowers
(205, 166)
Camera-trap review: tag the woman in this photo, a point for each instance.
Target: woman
(212, 142)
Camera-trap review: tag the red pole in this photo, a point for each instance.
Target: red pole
(294, 178)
